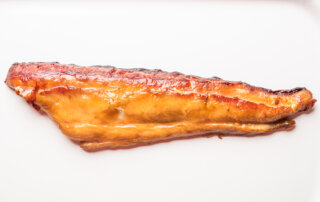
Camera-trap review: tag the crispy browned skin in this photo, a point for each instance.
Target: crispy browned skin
(107, 107)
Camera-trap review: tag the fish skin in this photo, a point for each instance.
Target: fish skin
(108, 107)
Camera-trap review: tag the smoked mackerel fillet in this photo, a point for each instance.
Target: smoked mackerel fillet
(107, 107)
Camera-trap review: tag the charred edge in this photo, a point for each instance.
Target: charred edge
(178, 76)
(272, 92)
(288, 92)
(142, 70)
(227, 83)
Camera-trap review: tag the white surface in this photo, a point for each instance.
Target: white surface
(271, 44)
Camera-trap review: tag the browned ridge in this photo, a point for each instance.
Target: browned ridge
(108, 107)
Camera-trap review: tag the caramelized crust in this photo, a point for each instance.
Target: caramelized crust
(103, 106)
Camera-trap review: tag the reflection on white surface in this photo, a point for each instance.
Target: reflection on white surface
(271, 44)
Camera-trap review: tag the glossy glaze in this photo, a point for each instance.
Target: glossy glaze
(110, 107)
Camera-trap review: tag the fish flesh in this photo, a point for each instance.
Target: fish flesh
(107, 107)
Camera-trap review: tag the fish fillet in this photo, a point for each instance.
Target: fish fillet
(107, 107)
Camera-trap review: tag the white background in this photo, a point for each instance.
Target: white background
(274, 44)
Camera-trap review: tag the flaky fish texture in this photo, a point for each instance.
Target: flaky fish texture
(107, 107)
